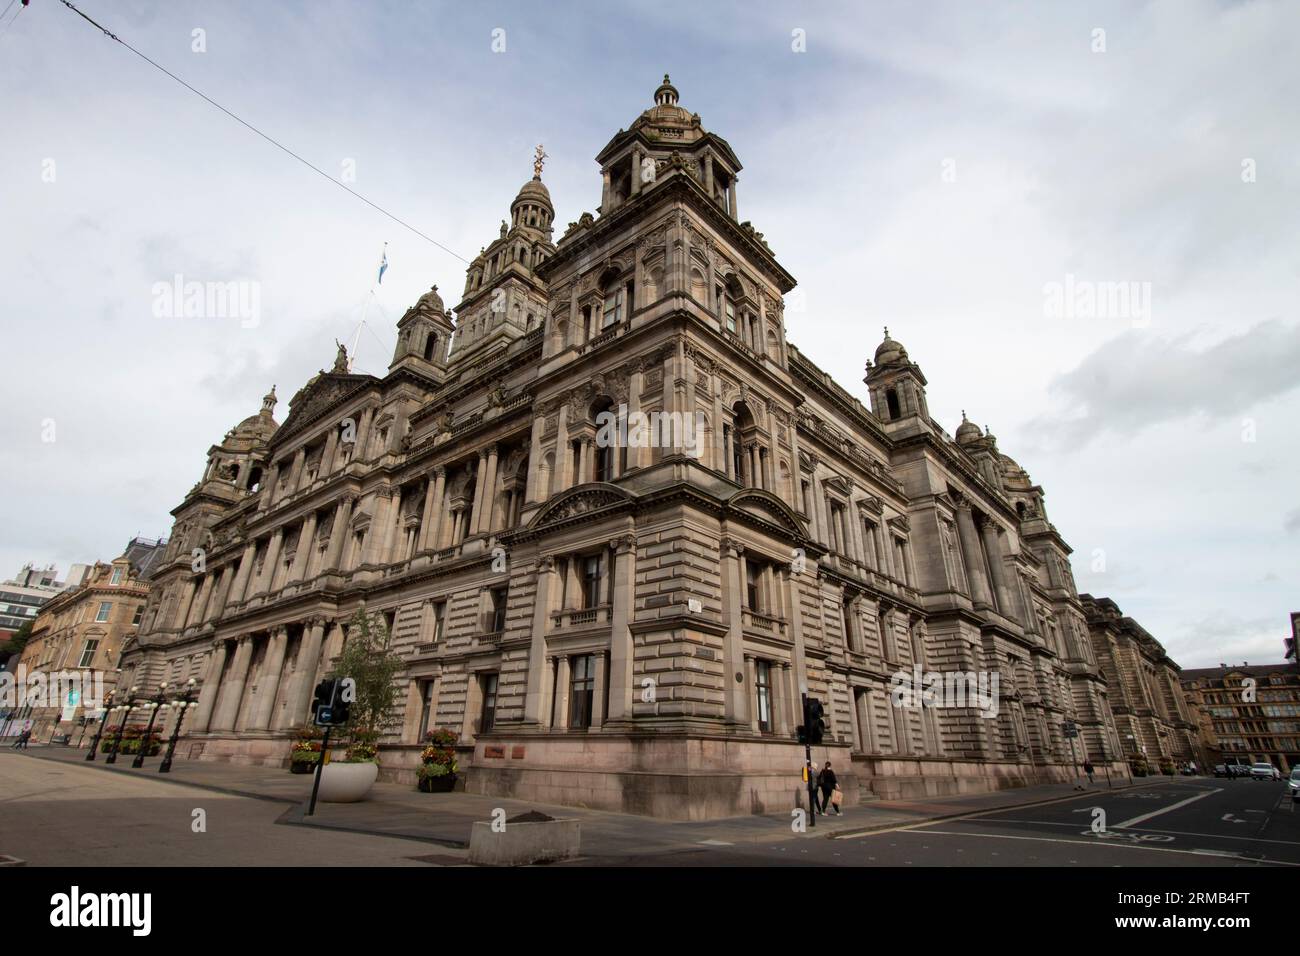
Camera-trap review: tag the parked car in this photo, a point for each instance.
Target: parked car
(1265, 771)
(1293, 783)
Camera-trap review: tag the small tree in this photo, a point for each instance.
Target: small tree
(369, 661)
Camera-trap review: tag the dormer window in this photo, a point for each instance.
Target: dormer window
(117, 576)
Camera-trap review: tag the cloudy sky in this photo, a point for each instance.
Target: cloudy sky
(985, 179)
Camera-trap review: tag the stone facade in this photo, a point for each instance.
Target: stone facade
(1247, 714)
(1152, 715)
(85, 627)
(629, 623)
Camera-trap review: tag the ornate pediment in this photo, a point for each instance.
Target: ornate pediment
(314, 397)
(838, 484)
(872, 504)
(899, 523)
(587, 499)
(767, 507)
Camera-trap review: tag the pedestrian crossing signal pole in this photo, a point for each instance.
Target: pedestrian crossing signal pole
(327, 711)
(805, 735)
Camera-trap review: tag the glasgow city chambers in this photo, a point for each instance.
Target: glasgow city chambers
(627, 618)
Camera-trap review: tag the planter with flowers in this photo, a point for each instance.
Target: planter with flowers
(370, 667)
(437, 773)
(305, 753)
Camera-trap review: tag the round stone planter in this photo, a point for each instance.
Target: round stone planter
(347, 782)
(437, 784)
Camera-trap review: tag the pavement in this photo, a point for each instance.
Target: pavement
(435, 828)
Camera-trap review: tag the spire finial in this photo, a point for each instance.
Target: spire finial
(963, 414)
(886, 331)
(539, 160)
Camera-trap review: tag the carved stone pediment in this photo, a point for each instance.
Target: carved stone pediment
(899, 523)
(768, 507)
(872, 504)
(839, 484)
(587, 499)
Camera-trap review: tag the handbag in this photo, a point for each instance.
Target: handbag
(837, 796)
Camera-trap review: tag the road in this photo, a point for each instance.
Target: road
(1192, 822)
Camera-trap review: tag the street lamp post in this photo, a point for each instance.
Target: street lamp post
(94, 743)
(126, 712)
(184, 702)
(157, 702)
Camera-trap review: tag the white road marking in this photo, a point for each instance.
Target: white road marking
(1173, 806)
(1122, 846)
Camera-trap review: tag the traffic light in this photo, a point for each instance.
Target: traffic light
(815, 727)
(328, 708)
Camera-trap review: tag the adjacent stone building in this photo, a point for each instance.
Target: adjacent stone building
(84, 627)
(1248, 714)
(1152, 715)
(629, 622)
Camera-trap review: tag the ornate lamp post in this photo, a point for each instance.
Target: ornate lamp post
(156, 703)
(182, 703)
(94, 743)
(126, 712)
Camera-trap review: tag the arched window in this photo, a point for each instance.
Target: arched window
(431, 346)
(891, 400)
(607, 443)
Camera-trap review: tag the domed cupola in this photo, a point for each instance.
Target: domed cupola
(897, 385)
(888, 352)
(666, 95)
(967, 432)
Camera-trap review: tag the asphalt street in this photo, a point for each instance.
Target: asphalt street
(1186, 822)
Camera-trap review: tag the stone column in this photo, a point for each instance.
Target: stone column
(620, 635)
(222, 592)
(432, 508)
(300, 690)
(232, 689)
(562, 693)
(392, 529)
(788, 705)
(268, 682)
(866, 732)
(295, 473)
(970, 550)
(598, 696)
(338, 533)
(211, 686)
(534, 458)
(537, 689)
(327, 456)
(731, 197)
(268, 565)
(751, 691)
(483, 508)
(187, 602)
(733, 589)
(993, 547)
(480, 479)
(306, 537)
(636, 171)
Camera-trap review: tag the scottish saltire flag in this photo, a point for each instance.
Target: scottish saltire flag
(383, 264)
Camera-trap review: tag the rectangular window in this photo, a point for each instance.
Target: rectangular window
(139, 613)
(488, 715)
(426, 709)
(117, 576)
(498, 622)
(752, 589)
(104, 608)
(88, 653)
(613, 309)
(439, 619)
(591, 575)
(729, 309)
(582, 690)
(763, 687)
